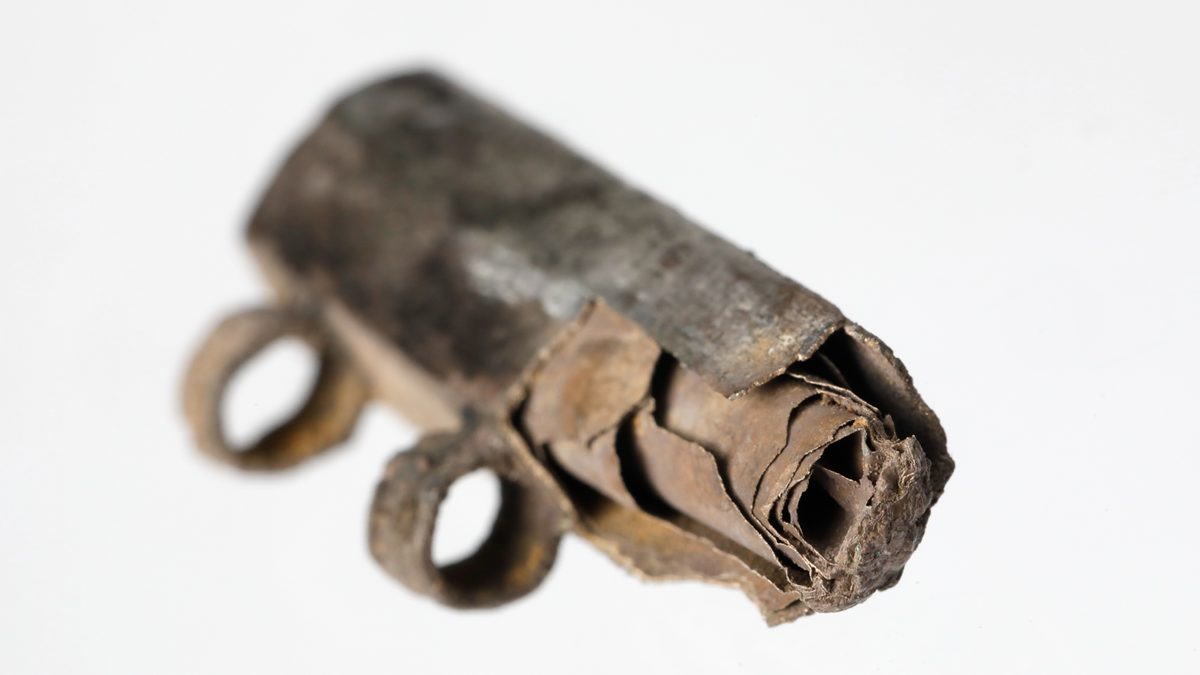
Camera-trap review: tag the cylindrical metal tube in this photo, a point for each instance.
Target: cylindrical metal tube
(471, 266)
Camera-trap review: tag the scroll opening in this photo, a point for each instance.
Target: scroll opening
(822, 521)
(863, 366)
(845, 456)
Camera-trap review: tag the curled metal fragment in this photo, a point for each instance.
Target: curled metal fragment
(627, 374)
(799, 476)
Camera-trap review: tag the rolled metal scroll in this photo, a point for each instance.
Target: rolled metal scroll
(627, 374)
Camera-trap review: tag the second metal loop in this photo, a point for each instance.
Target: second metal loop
(515, 557)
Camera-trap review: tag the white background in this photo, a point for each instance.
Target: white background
(1008, 193)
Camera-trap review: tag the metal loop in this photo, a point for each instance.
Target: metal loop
(326, 419)
(515, 557)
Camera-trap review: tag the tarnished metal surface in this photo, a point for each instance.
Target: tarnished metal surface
(469, 239)
(474, 273)
(517, 554)
(326, 419)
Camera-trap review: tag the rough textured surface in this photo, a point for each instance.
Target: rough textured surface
(413, 200)
(325, 420)
(799, 480)
(523, 543)
(541, 318)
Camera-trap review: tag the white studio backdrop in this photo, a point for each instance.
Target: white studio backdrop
(1007, 193)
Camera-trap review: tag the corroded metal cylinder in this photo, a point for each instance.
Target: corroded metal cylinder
(627, 373)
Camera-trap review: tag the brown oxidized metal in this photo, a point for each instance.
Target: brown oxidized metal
(627, 374)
